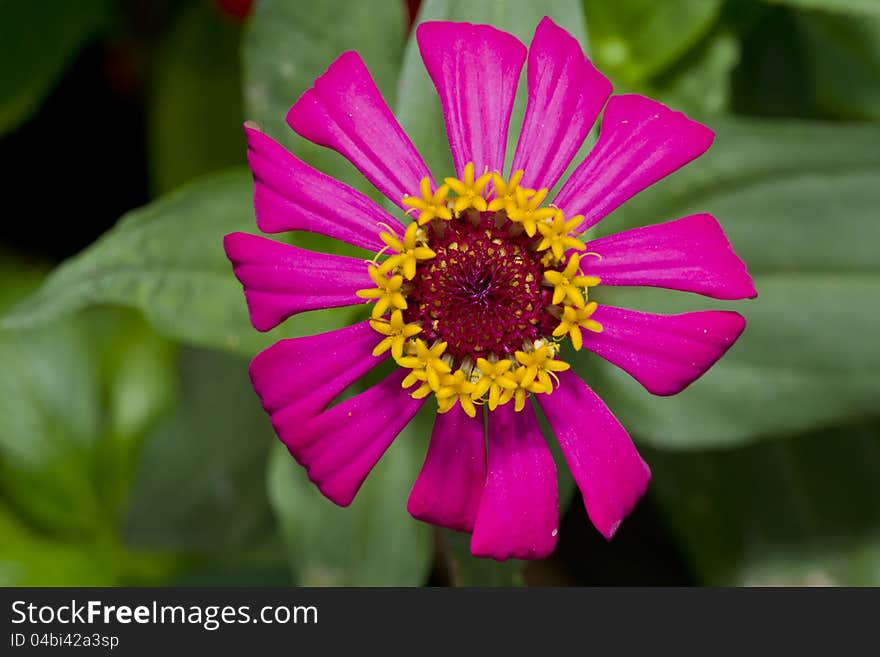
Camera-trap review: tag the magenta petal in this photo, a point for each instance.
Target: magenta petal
(566, 94)
(641, 141)
(297, 378)
(665, 353)
(519, 511)
(448, 489)
(691, 254)
(281, 280)
(340, 446)
(603, 460)
(475, 69)
(291, 195)
(345, 111)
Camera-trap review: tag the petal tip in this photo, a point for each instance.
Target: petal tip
(234, 242)
(429, 29)
(341, 498)
(638, 490)
(299, 116)
(611, 530)
(486, 550)
(752, 290)
(419, 510)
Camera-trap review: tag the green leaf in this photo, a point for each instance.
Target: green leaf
(700, 83)
(803, 511)
(28, 558)
(194, 103)
(843, 57)
(74, 399)
(167, 259)
(418, 109)
(31, 558)
(200, 484)
(39, 41)
(637, 39)
(771, 80)
(137, 370)
(289, 44)
(50, 425)
(870, 7)
(798, 201)
(76, 396)
(17, 279)
(374, 541)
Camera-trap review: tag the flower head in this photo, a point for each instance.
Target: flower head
(486, 287)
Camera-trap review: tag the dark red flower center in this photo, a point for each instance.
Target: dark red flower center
(482, 293)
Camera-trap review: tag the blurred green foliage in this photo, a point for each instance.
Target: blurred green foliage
(39, 40)
(801, 511)
(195, 102)
(77, 399)
(132, 449)
(167, 260)
(636, 40)
(843, 63)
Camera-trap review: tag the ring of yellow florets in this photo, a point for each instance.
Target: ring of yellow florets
(530, 365)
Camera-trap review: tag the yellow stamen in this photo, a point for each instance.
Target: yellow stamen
(387, 292)
(539, 365)
(523, 385)
(505, 192)
(456, 387)
(421, 392)
(528, 210)
(409, 251)
(427, 364)
(568, 285)
(432, 205)
(469, 191)
(396, 334)
(557, 235)
(573, 320)
(495, 378)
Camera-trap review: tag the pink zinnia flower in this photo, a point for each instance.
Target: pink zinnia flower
(483, 289)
